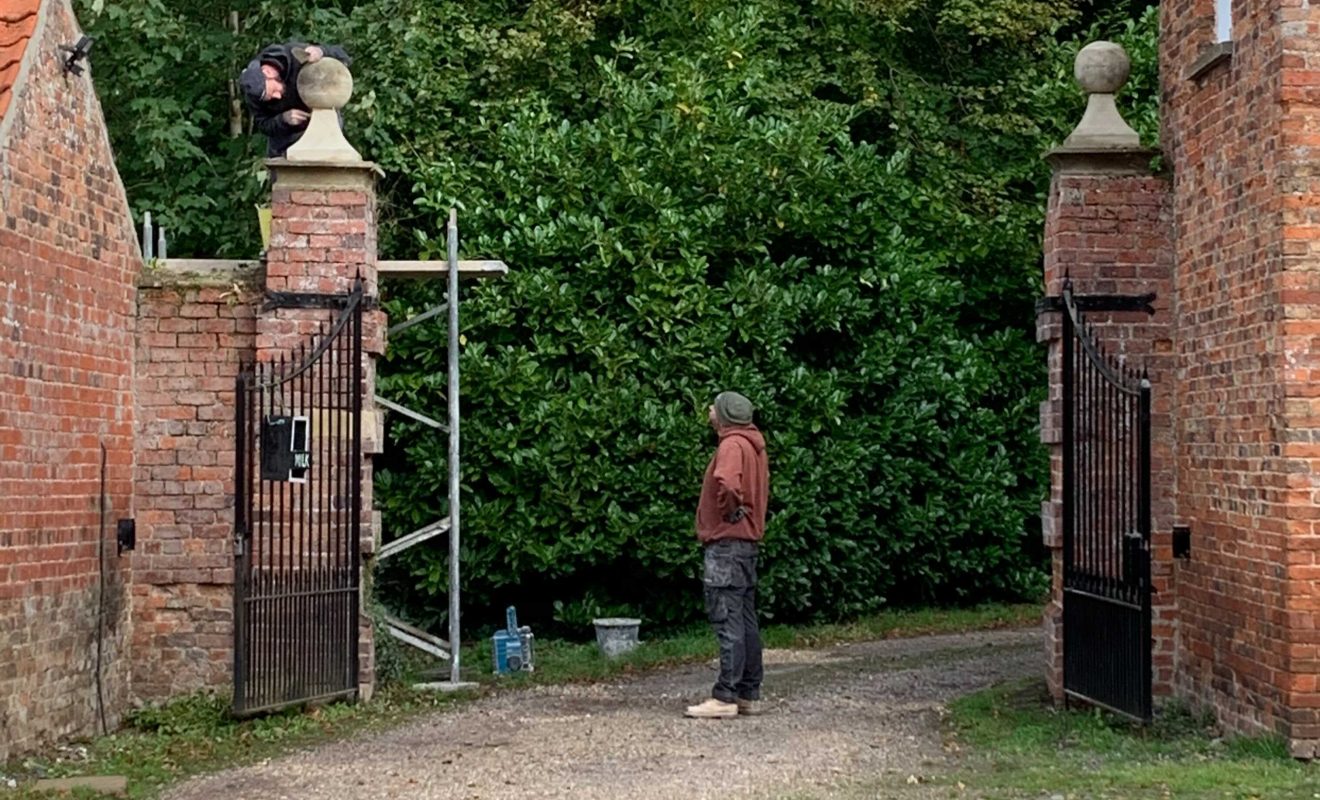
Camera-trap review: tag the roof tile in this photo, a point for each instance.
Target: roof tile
(18, 19)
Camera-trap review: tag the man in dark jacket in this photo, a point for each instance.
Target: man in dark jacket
(730, 523)
(270, 88)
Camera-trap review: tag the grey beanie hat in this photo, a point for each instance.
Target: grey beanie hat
(732, 408)
(252, 81)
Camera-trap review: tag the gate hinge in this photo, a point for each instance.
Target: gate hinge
(1099, 302)
(276, 300)
(240, 546)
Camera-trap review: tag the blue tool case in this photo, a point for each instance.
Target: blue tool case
(513, 646)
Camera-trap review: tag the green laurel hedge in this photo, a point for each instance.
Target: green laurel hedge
(833, 206)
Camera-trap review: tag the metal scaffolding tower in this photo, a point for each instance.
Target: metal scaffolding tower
(452, 269)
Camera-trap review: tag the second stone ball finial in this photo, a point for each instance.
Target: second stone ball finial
(1101, 70)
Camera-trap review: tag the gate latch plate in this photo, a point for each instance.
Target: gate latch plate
(1182, 541)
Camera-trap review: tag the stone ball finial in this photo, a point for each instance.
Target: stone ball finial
(1100, 68)
(325, 84)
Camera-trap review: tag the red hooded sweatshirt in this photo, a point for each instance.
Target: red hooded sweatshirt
(738, 475)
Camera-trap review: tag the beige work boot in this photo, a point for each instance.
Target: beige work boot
(750, 708)
(712, 709)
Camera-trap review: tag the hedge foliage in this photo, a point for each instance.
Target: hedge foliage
(833, 206)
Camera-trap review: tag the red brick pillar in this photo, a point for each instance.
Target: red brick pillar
(323, 238)
(1108, 228)
(1299, 192)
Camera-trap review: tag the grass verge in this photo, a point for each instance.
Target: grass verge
(1014, 744)
(194, 735)
(568, 662)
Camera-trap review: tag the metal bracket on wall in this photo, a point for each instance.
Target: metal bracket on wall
(1099, 302)
(276, 300)
(1182, 541)
(126, 534)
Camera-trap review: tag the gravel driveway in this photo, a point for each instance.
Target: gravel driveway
(861, 712)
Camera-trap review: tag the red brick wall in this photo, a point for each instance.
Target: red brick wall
(1299, 190)
(1237, 489)
(87, 358)
(1111, 235)
(68, 267)
(190, 342)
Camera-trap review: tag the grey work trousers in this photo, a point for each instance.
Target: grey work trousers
(729, 576)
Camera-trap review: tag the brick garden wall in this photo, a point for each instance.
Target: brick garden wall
(192, 333)
(68, 267)
(95, 349)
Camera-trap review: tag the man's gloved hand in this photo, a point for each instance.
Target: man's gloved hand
(309, 54)
(735, 515)
(296, 117)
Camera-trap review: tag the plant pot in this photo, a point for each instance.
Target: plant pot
(616, 635)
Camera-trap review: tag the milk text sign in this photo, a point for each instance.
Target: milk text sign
(285, 448)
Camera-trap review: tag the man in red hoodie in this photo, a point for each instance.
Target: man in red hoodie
(730, 523)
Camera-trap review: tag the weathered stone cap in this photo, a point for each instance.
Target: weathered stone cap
(1102, 141)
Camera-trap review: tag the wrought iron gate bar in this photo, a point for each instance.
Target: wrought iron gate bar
(306, 593)
(1091, 701)
(1104, 598)
(306, 362)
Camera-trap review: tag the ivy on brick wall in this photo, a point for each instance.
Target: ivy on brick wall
(834, 206)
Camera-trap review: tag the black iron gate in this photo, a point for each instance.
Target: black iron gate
(1106, 525)
(297, 520)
